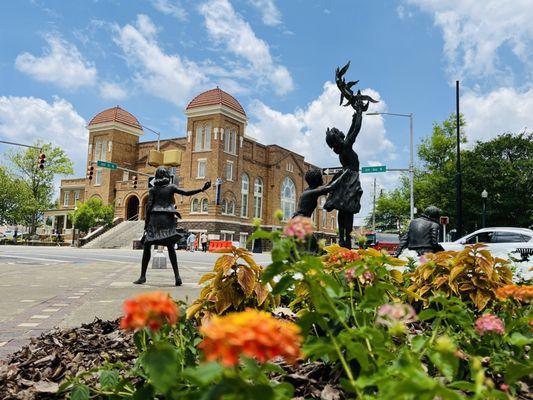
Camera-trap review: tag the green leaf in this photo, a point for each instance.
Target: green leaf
(205, 374)
(427, 314)
(418, 343)
(517, 339)
(516, 370)
(272, 270)
(80, 392)
(109, 379)
(358, 352)
(144, 393)
(447, 363)
(283, 284)
(160, 362)
(463, 385)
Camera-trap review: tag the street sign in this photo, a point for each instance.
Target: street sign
(444, 220)
(376, 168)
(106, 164)
(331, 171)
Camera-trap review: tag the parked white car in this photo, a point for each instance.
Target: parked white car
(500, 241)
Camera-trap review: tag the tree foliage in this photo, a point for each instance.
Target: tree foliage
(39, 182)
(92, 213)
(15, 199)
(502, 166)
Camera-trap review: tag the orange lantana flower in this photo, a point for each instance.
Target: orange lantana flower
(252, 333)
(517, 292)
(149, 309)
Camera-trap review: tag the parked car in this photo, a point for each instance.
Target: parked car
(500, 241)
(8, 234)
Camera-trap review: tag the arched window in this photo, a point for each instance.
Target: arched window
(194, 206)
(204, 206)
(224, 206)
(203, 137)
(231, 207)
(244, 195)
(258, 197)
(288, 198)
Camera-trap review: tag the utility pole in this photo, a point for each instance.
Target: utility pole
(458, 178)
(374, 209)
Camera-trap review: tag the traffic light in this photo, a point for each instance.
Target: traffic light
(90, 172)
(135, 182)
(42, 160)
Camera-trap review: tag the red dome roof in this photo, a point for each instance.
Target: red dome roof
(116, 114)
(214, 97)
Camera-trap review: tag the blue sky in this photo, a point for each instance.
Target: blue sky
(61, 62)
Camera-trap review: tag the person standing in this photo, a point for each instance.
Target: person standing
(160, 223)
(190, 241)
(15, 235)
(203, 240)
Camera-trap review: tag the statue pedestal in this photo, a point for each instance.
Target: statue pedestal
(159, 261)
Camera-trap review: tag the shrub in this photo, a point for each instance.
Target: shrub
(472, 274)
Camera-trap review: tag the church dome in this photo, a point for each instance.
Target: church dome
(116, 114)
(216, 97)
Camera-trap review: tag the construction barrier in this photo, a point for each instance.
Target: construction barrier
(215, 245)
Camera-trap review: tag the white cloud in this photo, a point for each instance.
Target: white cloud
(112, 91)
(303, 131)
(61, 64)
(227, 27)
(500, 111)
(270, 14)
(163, 75)
(172, 8)
(475, 31)
(28, 119)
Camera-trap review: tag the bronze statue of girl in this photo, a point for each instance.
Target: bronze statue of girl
(161, 218)
(346, 196)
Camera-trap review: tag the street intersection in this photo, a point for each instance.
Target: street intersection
(46, 287)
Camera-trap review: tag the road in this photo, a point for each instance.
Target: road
(45, 287)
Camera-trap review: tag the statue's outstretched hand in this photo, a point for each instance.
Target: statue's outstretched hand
(207, 185)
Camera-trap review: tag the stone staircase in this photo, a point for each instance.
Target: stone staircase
(119, 237)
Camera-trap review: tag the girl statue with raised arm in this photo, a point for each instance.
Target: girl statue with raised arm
(160, 223)
(346, 196)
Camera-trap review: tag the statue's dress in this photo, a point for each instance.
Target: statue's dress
(161, 216)
(347, 195)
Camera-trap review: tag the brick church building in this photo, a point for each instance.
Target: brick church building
(257, 179)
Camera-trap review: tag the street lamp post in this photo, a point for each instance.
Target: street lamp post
(484, 195)
(411, 159)
(157, 133)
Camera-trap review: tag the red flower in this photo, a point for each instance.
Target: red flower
(251, 333)
(151, 310)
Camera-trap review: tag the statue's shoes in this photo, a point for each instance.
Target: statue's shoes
(179, 282)
(140, 281)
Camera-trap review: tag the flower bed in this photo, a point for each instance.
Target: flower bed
(350, 326)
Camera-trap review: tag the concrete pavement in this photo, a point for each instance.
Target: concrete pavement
(45, 287)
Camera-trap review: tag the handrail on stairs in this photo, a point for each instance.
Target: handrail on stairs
(98, 232)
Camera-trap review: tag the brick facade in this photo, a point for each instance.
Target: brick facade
(214, 146)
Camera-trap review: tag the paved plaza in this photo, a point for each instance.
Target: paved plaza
(45, 287)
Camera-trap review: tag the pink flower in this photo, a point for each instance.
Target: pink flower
(349, 274)
(299, 227)
(395, 313)
(489, 323)
(504, 387)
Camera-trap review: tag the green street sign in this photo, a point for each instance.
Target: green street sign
(377, 168)
(106, 164)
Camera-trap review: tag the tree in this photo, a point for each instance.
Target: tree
(392, 209)
(503, 166)
(40, 181)
(15, 199)
(92, 213)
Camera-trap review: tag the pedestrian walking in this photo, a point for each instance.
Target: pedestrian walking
(196, 241)
(190, 241)
(203, 240)
(15, 236)
(58, 237)
(160, 223)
